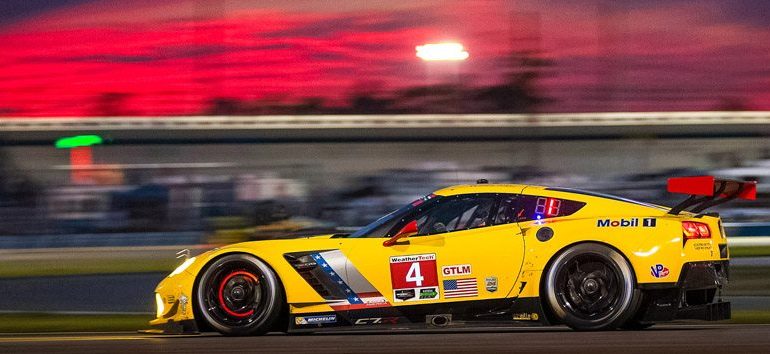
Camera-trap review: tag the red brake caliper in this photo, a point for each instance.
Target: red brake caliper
(222, 295)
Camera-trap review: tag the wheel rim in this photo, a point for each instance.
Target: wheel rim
(234, 294)
(589, 287)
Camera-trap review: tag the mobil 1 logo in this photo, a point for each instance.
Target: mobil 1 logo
(629, 222)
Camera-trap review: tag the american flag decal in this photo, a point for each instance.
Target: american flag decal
(460, 288)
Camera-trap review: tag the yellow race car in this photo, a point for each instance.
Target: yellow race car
(472, 255)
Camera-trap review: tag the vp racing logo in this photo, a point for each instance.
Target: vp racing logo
(659, 271)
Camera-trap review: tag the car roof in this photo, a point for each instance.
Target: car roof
(484, 188)
(574, 194)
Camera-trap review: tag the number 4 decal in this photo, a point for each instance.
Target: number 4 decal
(414, 277)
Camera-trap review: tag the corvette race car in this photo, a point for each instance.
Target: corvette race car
(473, 255)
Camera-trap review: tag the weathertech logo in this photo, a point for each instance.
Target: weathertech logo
(632, 222)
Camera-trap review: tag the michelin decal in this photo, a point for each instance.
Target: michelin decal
(313, 320)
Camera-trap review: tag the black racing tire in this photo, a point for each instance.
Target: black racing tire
(239, 295)
(591, 287)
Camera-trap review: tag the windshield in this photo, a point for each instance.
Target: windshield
(381, 227)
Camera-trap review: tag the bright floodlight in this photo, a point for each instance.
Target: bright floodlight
(441, 51)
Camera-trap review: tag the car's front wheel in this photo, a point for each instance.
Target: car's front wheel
(239, 295)
(591, 287)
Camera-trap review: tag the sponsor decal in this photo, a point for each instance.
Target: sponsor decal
(630, 222)
(659, 271)
(404, 294)
(313, 320)
(376, 320)
(466, 287)
(414, 258)
(526, 316)
(452, 270)
(491, 284)
(376, 301)
(428, 293)
(414, 277)
(304, 265)
(183, 300)
(633, 222)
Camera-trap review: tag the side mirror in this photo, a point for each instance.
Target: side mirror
(406, 231)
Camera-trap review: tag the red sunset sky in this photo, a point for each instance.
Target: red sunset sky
(171, 57)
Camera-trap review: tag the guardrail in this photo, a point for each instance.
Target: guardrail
(405, 121)
(389, 127)
(341, 128)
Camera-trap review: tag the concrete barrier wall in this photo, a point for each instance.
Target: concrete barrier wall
(102, 240)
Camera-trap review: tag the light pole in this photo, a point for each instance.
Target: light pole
(81, 157)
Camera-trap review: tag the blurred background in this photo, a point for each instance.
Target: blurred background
(130, 130)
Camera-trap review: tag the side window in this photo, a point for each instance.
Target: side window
(506, 210)
(534, 207)
(460, 213)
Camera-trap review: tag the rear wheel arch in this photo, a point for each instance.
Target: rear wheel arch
(565, 247)
(550, 316)
(545, 302)
(602, 243)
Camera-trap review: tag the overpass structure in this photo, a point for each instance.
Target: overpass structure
(352, 128)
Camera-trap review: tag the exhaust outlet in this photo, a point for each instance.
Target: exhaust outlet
(439, 320)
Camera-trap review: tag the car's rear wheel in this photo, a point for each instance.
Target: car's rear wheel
(591, 287)
(239, 295)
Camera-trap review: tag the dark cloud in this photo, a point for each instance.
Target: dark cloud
(14, 10)
(751, 12)
(746, 12)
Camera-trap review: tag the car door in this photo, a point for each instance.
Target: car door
(465, 248)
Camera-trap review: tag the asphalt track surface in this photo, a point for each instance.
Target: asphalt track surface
(659, 339)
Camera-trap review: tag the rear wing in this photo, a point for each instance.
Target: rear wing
(707, 191)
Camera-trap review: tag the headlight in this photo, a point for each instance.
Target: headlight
(182, 267)
(159, 310)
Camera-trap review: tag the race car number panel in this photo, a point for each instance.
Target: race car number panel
(414, 277)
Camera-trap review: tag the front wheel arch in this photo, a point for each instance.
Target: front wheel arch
(280, 325)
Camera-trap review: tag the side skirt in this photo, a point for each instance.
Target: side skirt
(520, 312)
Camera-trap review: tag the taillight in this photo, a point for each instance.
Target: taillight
(694, 230)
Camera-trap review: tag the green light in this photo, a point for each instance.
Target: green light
(78, 141)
